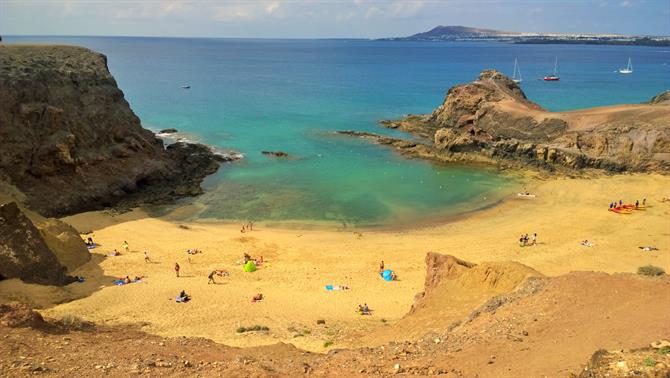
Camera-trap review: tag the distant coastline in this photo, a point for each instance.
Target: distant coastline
(469, 34)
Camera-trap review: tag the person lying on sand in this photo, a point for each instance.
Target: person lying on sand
(648, 248)
(127, 280)
(587, 243)
(114, 254)
(257, 298)
(222, 273)
(247, 257)
(259, 261)
(193, 251)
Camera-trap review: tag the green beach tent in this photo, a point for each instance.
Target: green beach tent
(250, 266)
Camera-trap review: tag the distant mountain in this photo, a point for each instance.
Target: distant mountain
(445, 33)
(465, 33)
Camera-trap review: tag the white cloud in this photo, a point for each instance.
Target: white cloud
(626, 3)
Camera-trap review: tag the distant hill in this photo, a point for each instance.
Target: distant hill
(466, 33)
(445, 33)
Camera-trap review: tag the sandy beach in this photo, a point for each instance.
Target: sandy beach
(299, 263)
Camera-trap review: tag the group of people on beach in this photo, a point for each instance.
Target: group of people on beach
(364, 309)
(525, 241)
(615, 205)
(247, 257)
(249, 226)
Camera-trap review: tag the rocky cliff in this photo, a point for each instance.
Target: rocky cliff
(70, 142)
(490, 120)
(24, 251)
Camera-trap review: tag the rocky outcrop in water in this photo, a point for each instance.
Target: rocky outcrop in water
(24, 252)
(70, 142)
(491, 121)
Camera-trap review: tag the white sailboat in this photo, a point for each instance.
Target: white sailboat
(628, 69)
(515, 78)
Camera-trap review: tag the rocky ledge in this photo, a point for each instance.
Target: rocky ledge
(38, 250)
(492, 121)
(70, 142)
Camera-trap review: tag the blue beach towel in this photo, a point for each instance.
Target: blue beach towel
(387, 275)
(329, 287)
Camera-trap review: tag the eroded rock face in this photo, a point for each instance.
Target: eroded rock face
(491, 120)
(24, 253)
(70, 142)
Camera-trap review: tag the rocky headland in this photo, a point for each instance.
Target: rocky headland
(71, 143)
(492, 121)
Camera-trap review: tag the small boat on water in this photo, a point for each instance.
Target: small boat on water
(628, 69)
(554, 76)
(186, 86)
(515, 78)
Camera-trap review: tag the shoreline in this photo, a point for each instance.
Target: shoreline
(301, 261)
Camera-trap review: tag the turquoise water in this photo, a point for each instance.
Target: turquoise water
(290, 95)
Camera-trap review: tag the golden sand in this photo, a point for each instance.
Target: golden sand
(299, 263)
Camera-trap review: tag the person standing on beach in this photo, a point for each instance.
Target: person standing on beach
(146, 257)
(211, 277)
(176, 269)
(534, 240)
(125, 246)
(381, 266)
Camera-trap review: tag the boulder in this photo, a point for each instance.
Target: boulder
(24, 253)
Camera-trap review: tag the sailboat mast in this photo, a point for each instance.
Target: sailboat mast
(556, 67)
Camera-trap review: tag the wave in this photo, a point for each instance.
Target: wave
(181, 137)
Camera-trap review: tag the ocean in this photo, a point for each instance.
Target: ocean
(251, 95)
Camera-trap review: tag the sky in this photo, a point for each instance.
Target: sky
(326, 18)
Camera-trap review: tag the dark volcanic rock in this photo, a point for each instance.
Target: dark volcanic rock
(24, 253)
(168, 131)
(275, 153)
(70, 142)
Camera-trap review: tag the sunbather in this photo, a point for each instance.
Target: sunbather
(648, 248)
(257, 298)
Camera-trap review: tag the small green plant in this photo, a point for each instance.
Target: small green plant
(74, 322)
(327, 344)
(665, 350)
(251, 329)
(649, 361)
(650, 270)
